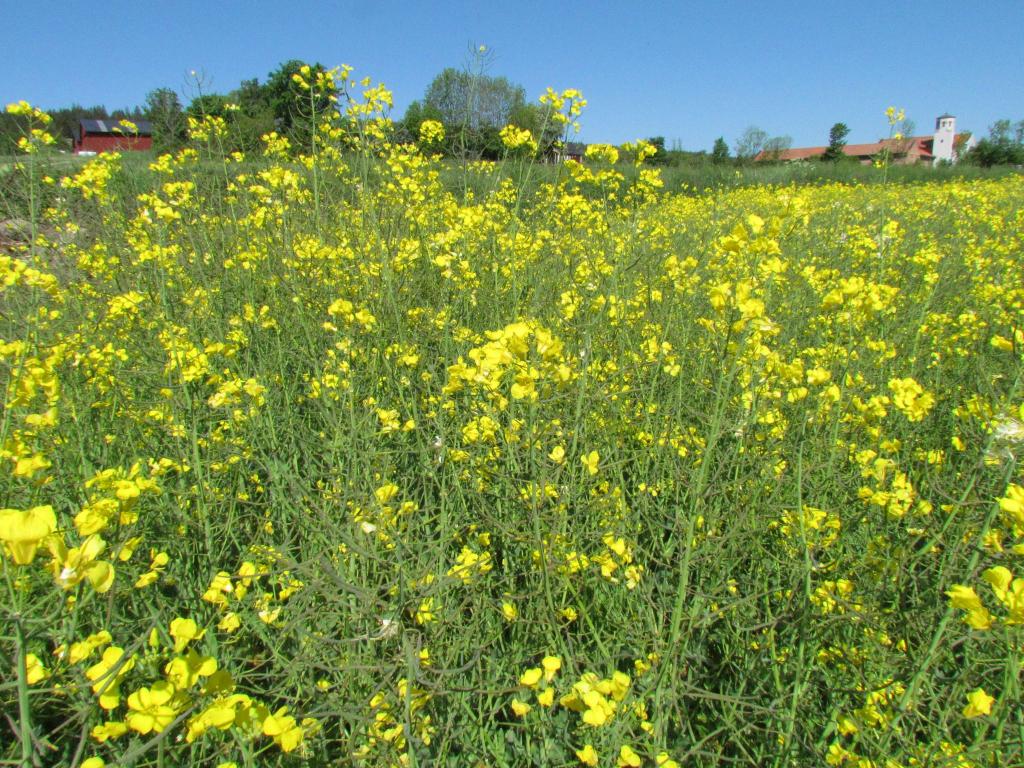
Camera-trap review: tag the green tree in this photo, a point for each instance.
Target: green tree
(294, 107)
(415, 115)
(836, 142)
(660, 156)
(164, 111)
(210, 105)
(474, 107)
(720, 152)
(1004, 145)
(255, 116)
(536, 118)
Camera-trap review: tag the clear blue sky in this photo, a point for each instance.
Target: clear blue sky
(689, 71)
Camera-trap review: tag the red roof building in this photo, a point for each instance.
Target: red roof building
(945, 144)
(96, 136)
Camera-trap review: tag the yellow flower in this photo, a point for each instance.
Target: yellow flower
(282, 728)
(221, 714)
(83, 649)
(71, 566)
(22, 531)
(109, 730)
(184, 631)
(152, 709)
(627, 757)
(509, 610)
(230, 622)
(520, 708)
(106, 676)
(590, 462)
(431, 132)
(34, 669)
(966, 598)
(598, 709)
(911, 398)
(93, 762)
(1013, 504)
(546, 697)
(664, 761)
(531, 677)
(184, 671)
(588, 755)
(551, 666)
(978, 703)
(219, 587)
(517, 138)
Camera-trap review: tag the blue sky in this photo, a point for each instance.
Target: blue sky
(688, 71)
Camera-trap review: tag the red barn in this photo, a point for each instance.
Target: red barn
(113, 136)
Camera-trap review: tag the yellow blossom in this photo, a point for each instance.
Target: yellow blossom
(628, 758)
(23, 531)
(588, 755)
(978, 703)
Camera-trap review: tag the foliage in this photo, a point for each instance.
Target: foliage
(836, 142)
(1004, 145)
(660, 156)
(164, 111)
(294, 105)
(775, 146)
(473, 100)
(750, 143)
(720, 151)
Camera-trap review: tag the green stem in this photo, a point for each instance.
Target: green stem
(24, 710)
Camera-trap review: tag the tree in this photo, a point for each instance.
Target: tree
(775, 146)
(474, 107)
(660, 156)
(294, 106)
(537, 120)
(415, 115)
(836, 142)
(473, 100)
(750, 143)
(720, 152)
(255, 116)
(1004, 145)
(164, 111)
(209, 105)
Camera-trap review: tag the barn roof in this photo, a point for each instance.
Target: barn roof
(145, 127)
(913, 146)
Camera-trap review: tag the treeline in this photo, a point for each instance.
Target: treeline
(472, 107)
(64, 126)
(1004, 145)
(250, 111)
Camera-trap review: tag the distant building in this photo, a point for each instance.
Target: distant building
(570, 150)
(96, 136)
(944, 145)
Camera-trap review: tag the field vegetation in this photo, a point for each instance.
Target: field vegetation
(349, 454)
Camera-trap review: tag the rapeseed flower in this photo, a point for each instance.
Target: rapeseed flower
(978, 703)
(22, 531)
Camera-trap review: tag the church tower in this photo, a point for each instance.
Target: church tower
(942, 143)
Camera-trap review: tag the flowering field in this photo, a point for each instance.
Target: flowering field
(308, 459)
